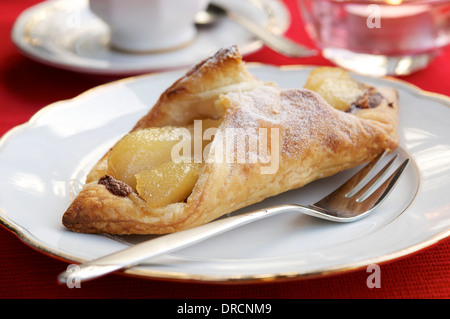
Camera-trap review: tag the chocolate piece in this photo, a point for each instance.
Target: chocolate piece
(115, 186)
(369, 99)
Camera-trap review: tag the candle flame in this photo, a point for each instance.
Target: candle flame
(394, 2)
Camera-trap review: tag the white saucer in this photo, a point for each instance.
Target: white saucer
(65, 34)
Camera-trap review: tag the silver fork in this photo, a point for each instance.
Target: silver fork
(352, 201)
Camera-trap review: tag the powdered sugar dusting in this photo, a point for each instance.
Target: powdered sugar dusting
(301, 116)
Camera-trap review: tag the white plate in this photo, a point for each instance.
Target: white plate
(65, 34)
(43, 164)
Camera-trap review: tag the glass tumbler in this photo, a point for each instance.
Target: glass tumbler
(384, 37)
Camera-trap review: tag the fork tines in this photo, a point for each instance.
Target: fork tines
(365, 190)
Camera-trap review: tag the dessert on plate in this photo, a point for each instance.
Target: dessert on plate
(220, 139)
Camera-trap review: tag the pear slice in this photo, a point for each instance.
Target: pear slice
(168, 183)
(335, 85)
(141, 150)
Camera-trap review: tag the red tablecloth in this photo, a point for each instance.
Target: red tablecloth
(26, 87)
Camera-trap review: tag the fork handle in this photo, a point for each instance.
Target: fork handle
(132, 256)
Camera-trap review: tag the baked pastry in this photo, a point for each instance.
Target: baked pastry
(158, 180)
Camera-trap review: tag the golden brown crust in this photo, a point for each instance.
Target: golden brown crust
(193, 96)
(178, 105)
(315, 139)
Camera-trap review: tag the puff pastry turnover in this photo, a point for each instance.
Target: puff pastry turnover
(294, 136)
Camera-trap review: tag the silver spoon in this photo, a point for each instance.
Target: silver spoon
(276, 42)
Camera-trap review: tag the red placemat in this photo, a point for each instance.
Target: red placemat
(26, 87)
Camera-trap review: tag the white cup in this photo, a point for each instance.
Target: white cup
(149, 25)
